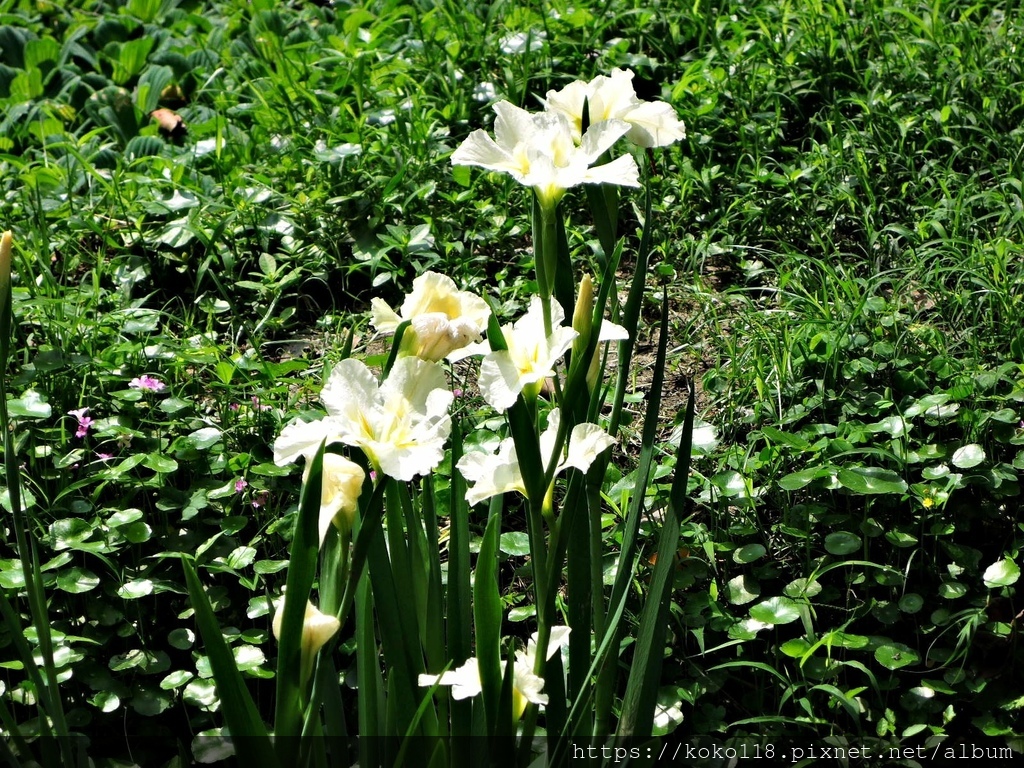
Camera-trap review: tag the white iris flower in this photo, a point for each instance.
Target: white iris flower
(317, 629)
(401, 425)
(540, 151)
(526, 686)
(493, 474)
(651, 123)
(529, 359)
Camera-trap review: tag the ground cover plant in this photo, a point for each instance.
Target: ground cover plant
(206, 198)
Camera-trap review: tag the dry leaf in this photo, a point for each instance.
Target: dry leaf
(169, 123)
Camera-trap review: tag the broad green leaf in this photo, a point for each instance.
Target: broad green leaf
(1001, 573)
(31, 405)
(747, 629)
(952, 590)
(200, 692)
(77, 580)
(70, 533)
(248, 657)
(836, 638)
(160, 463)
(668, 713)
(801, 588)
(176, 679)
(795, 648)
(204, 438)
(150, 85)
(749, 553)
(794, 481)
(871, 480)
(776, 610)
(151, 702)
(895, 426)
(124, 517)
(213, 747)
(785, 438)
(842, 543)
(40, 50)
(968, 456)
(896, 655)
(181, 638)
(131, 59)
(106, 701)
(911, 602)
(133, 590)
(742, 589)
(515, 543)
(730, 483)
(241, 557)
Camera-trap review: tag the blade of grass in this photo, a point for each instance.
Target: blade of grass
(305, 548)
(487, 617)
(637, 718)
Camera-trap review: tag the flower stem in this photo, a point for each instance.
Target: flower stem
(545, 253)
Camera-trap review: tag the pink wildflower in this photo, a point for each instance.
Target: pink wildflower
(260, 498)
(84, 422)
(240, 485)
(145, 381)
(257, 406)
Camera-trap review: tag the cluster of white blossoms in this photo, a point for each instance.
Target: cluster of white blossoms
(402, 423)
(550, 152)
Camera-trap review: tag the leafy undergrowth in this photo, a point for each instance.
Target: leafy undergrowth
(843, 224)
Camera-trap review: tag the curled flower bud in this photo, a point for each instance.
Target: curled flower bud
(317, 629)
(339, 492)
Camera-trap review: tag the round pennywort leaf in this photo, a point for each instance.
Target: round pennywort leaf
(842, 543)
(776, 610)
(1001, 573)
(968, 456)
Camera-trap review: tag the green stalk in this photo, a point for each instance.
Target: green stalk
(545, 254)
(458, 606)
(370, 694)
